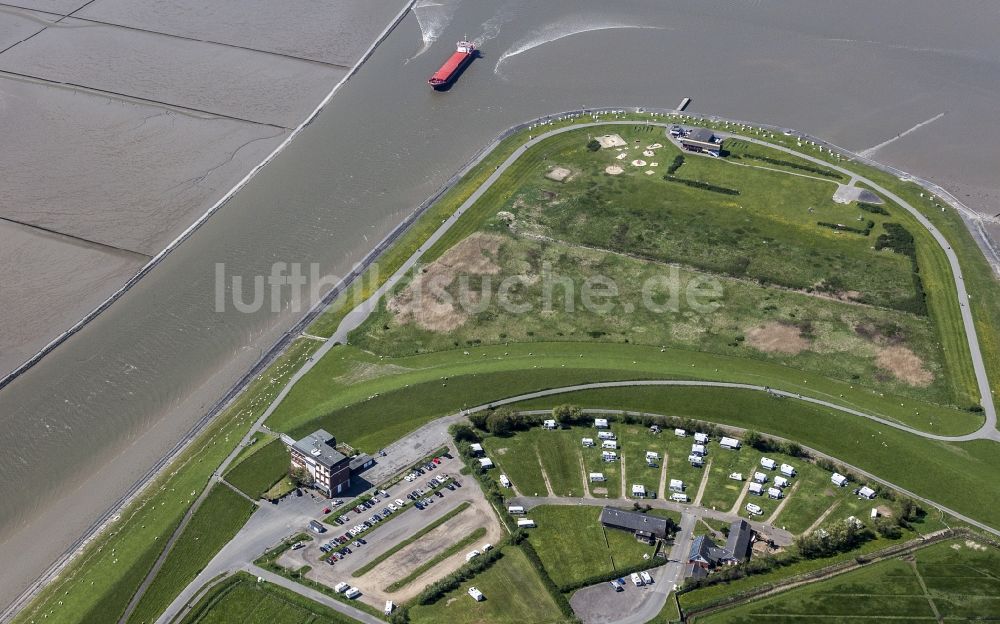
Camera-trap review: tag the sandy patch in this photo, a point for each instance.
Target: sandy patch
(367, 370)
(904, 364)
(638, 163)
(654, 164)
(777, 338)
(425, 300)
(650, 172)
(654, 146)
(614, 170)
(611, 140)
(649, 153)
(559, 174)
(622, 156)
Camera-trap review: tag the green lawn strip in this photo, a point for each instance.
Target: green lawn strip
(678, 467)
(633, 443)
(403, 544)
(257, 473)
(241, 599)
(451, 550)
(721, 492)
(221, 515)
(257, 441)
(280, 489)
(911, 462)
(514, 595)
(594, 462)
(574, 546)
(559, 455)
(813, 495)
(891, 588)
(706, 596)
(98, 585)
(517, 457)
(332, 394)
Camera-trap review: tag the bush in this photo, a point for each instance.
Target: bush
(567, 414)
(558, 596)
(845, 228)
(674, 166)
(464, 433)
(840, 537)
(593, 145)
(873, 208)
(435, 591)
(794, 165)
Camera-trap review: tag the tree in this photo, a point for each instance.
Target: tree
(478, 420)
(300, 476)
(464, 433)
(501, 422)
(566, 414)
(753, 438)
(593, 145)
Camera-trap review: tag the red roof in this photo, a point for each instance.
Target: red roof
(450, 66)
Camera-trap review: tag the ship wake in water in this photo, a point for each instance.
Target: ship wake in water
(433, 16)
(561, 30)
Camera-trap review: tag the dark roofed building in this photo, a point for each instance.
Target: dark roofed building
(361, 462)
(329, 468)
(705, 553)
(701, 140)
(644, 527)
(738, 543)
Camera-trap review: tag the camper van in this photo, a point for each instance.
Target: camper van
(476, 594)
(605, 435)
(610, 445)
(729, 443)
(754, 510)
(515, 510)
(596, 477)
(679, 497)
(696, 460)
(787, 470)
(504, 481)
(588, 442)
(525, 523)
(352, 592)
(768, 463)
(680, 433)
(676, 485)
(389, 607)
(609, 456)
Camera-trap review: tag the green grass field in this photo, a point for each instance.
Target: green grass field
(240, 599)
(220, 516)
(574, 546)
(259, 471)
(100, 582)
(517, 457)
(962, 583)
(514, 595)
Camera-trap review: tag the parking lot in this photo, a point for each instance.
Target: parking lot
(425, 499)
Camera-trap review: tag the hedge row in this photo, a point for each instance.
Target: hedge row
(794, 165)
(435, 591)
(705, 186)
(873, 208)
(845, 228)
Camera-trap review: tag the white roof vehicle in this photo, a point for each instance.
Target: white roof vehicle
(476, 594)
(768, 463)
(646, 578)
(754, 510)
(636, 580)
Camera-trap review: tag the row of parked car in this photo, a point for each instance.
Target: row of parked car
(419, 470)
(638, 579)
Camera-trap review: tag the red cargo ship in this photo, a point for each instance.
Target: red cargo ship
(463, 55)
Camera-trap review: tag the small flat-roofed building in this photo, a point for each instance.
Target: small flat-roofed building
(476, 448)
(644, 527)
(866, 492)
(756, 489)
(788, 470)
(698, 449)
(600, 423)
(485, 463)
(329, 469)
(729, 443)
(696, 460)
(760, 477)
(701, 140)
(549, 424)
(361, 462)
(638, 490)
(701, 438)
(768, 463)
(676, 485)
(838, 479)
(588, 442)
